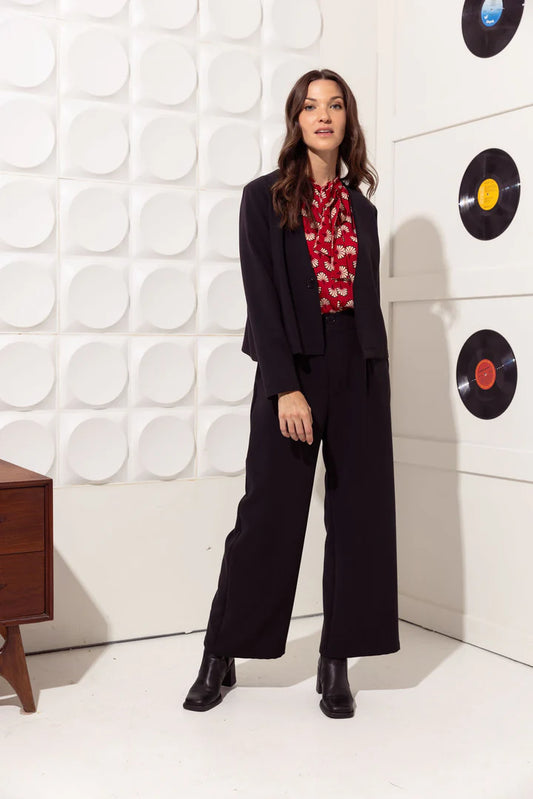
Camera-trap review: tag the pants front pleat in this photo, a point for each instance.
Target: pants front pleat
(252, 606)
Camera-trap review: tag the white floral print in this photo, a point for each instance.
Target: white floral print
(333, 246)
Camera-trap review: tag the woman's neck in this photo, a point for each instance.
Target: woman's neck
(322, 170)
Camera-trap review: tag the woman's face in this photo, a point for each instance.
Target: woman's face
(323, 110)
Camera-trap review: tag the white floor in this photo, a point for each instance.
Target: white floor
(437, 719)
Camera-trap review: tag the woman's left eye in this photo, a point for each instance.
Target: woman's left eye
(334, 105)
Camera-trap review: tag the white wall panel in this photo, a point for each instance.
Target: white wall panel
(27, 134)
(464, 557)
(32, 438)
(21, 34)
(429, 233)
(464, 484)
(427, 339)
(439, 82)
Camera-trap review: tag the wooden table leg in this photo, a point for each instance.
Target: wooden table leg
(13, 666)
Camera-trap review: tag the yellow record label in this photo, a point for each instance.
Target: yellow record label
(488, 194)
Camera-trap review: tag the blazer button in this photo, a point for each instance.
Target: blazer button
(311, 283)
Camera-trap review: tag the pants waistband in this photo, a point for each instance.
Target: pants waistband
(337, 319)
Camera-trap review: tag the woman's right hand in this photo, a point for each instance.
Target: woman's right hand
(295, 418)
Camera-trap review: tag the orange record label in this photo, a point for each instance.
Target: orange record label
(485, 374)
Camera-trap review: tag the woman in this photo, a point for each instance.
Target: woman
(309, 254)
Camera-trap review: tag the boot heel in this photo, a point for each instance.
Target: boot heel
(230, 677)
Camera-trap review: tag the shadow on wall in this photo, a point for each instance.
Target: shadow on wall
(74, 611)
(424, 405)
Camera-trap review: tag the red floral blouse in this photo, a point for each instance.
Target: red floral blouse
(332, 243)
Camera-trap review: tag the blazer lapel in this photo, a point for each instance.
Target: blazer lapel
(360, 218)
(297, 255)
(304, 290)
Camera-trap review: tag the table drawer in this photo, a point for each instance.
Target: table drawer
(21, 520)
(22, 585)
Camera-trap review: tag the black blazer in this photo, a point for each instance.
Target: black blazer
(283, 304)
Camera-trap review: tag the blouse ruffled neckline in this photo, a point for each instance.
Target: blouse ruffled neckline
(333, 182)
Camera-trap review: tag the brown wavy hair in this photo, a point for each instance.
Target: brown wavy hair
(293, 187)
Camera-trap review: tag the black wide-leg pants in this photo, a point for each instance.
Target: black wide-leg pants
(350, 405)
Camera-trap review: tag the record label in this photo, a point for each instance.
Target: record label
(491, 11)
(489, 194)
(486, 374)
(489, 26)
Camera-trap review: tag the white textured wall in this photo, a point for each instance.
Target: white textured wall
(128, 130)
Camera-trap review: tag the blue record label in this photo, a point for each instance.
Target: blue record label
(491, 11)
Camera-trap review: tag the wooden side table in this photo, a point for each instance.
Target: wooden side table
(26, 567)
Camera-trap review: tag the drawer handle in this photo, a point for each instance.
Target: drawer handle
(3, 585)
(3, 517)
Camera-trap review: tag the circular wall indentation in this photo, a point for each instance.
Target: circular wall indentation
(97, 373)
(227, 441)
(96, 449)
(167, 298)
(27, 294)
(98, 141)
(102, 9)
(166, 446)
(168, 148)
(28, 444)
(275, 147)
(234, 154)
(166, 373)
(226, 301)
(98, 296)
(27, 374)
(27, 214)
(98, 219)
(298, 23)
(239, 21)
(168, 13)
(234, 82)
(228, 373)
(27, 134)
(222, 225)
(285, 76)
(98, 63)
(167, 223)
(159, 68)
(20, 36)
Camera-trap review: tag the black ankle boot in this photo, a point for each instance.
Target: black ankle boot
(215, 670)
(332, 682)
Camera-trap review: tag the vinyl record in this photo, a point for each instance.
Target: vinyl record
(489, 26)
(489, 193)
(486, 374)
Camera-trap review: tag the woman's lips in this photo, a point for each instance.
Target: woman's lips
(324, 133)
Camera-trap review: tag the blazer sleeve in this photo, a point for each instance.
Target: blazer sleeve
(274, 355)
